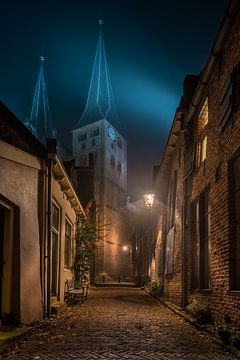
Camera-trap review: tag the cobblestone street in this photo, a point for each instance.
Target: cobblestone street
(116, 324)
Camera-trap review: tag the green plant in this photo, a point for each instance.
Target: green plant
(229, 334)
(87, 233)
(143, 281)
(155, 289)
(201, 312)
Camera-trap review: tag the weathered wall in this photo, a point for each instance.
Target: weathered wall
(66, 211)
(19, 184)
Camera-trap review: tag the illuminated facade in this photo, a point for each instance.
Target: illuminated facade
(97, 138)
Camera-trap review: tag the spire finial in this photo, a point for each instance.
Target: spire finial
(42, 59)
(100, 21)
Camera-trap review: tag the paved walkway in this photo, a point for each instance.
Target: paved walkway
(117, 324)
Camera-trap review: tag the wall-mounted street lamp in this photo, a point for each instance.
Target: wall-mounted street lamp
(149, 199)
(124, 248)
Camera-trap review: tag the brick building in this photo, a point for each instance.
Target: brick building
(198, 242)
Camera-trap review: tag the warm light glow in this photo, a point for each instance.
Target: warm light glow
(149, 198)
(125, 248)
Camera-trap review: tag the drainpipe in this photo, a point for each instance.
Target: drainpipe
(52, 149)
(44, 233)
(183, 260)
(49, 233)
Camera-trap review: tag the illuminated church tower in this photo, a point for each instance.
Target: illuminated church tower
(96, 136)
(40, 123)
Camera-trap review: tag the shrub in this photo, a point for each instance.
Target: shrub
(201, 312)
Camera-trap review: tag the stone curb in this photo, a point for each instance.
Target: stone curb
(181, 312)
(8, 337)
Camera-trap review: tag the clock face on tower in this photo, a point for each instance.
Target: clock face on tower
(112, 133)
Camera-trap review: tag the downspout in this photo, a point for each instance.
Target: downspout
(51, 148)
(44, 233)
(49, 233)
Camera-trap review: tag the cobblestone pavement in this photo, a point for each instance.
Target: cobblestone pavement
(116, 324)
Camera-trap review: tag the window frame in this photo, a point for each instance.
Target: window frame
(56, 231)
(201, 240)
(82, 136)
(68, 264)
(202, 133)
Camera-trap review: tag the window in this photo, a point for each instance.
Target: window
(83, 146)
(68, 244)
(55, 247)
(202, 134)
(172, 199)
(219, 171)
(169, 252)
(229, 100)
(83, 161)
(113, 146)
(82, 136)
(94, 132)
(112, 161)
(200, 233)
(225, 102)
(93, 142)
(119, 166)
(236, 170)
(119, 143)
(203, 148)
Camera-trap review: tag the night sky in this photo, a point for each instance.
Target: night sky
(151, 45)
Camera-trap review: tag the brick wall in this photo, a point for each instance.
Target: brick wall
(221, 147)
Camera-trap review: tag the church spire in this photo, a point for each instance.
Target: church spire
(40, 121)
(100, 102)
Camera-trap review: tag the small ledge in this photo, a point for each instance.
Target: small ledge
(234, 292)
(204, 291)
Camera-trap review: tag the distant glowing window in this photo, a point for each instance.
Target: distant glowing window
(202, 133)
(82, 136)
(112, 161)
(203, 147)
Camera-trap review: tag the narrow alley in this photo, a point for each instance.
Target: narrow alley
(116, 323)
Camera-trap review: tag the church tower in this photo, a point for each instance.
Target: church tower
(97, 136)
(40, 123)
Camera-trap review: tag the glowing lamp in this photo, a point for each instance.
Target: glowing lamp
(149, 198)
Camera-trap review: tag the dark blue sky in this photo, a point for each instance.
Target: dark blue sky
(151, 45)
